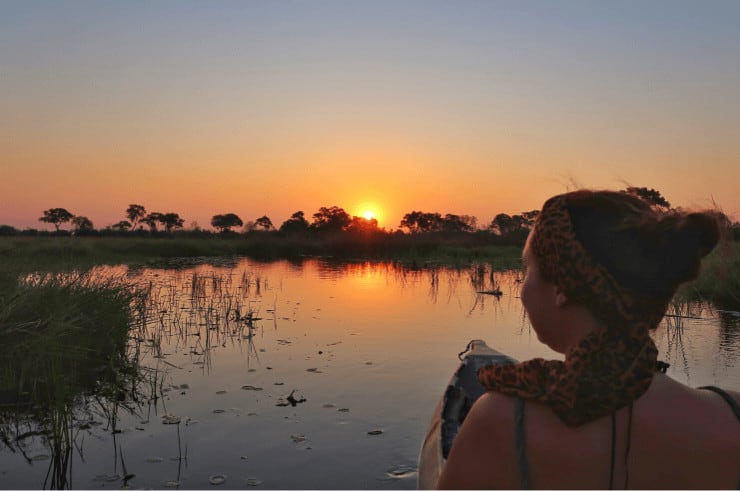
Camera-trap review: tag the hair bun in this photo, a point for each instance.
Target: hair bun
(687, 240)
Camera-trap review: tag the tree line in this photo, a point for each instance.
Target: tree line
(326, 219)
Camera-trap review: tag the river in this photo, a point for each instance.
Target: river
(308, 374)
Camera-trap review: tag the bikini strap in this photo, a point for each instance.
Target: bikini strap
(727, 397)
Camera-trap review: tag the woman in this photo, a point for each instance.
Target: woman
(601, 268)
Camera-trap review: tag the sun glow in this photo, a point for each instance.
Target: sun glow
(368, 214)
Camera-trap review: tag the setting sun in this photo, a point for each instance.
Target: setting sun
(368, 215)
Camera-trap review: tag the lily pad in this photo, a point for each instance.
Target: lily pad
(250, 387)
(170, 419)
(298, 438)
(107, 477)
(171, 484)
(219, 411)
(252, 481)
(375, 432)
(217, 479)
(220, 392)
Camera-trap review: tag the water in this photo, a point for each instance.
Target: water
(369, 346)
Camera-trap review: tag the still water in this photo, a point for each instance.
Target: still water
(305, 375)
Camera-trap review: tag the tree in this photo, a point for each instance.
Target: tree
(171, 220)
(362, 225)
(82, 224)
(651, 196)
(264, 223)
(296, 223)
(225, 222)
(504, 224)
(333, 218)
(458, 223)
(56, 216)
(121, 226)
(419, 221)
(152, 219)
(135, 213)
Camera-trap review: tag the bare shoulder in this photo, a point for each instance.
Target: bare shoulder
(483, 454)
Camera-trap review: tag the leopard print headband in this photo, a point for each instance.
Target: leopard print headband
(610, 367)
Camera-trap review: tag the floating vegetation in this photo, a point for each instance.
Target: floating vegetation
(252, 481)
(298, 438)
(170, 419)
(155, 460)
(250, 387)
(107, 478)
(290, 400)
(375, 432)
(401, 472)
(217, 479)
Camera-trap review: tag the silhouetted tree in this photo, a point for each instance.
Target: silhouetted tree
(135, 213)
(362, 225)
(152, 219)
(296, 223)
(121, 226)
(171, 220)
(529, 217)
(264, 223)
(651, 196)
(419, 221)
(56, 216)
(333, 218)
(458, 223)
(224, 222)
(8, 230)
(82, 224)
(504, 224)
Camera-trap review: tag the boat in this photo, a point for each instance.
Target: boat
(462, 391)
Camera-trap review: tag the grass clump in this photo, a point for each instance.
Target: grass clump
(719, 280)
(60, 334)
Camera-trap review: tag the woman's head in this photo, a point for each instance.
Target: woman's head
(606, 264)
(593, 243)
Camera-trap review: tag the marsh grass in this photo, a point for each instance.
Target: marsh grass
(66, 356)
(74, 325)
(719, 280)
(65, 253)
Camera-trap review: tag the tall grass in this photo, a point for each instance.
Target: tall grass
(57, 253)
(65, 348)
(719, 280)
(71, 325)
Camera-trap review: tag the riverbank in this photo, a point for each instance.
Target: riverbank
(718, 283)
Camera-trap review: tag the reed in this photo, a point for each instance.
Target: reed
(719, 280)
(60, 253)
(70, 324)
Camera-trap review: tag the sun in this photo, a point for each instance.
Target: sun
(368, 214)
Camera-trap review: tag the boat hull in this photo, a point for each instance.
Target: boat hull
(461, 392)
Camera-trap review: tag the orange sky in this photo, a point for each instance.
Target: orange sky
(269, 108)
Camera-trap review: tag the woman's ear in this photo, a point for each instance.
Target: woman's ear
(560, 297)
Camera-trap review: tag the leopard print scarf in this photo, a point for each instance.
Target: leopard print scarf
(610, 367)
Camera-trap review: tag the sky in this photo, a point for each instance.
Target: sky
(270, 107)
